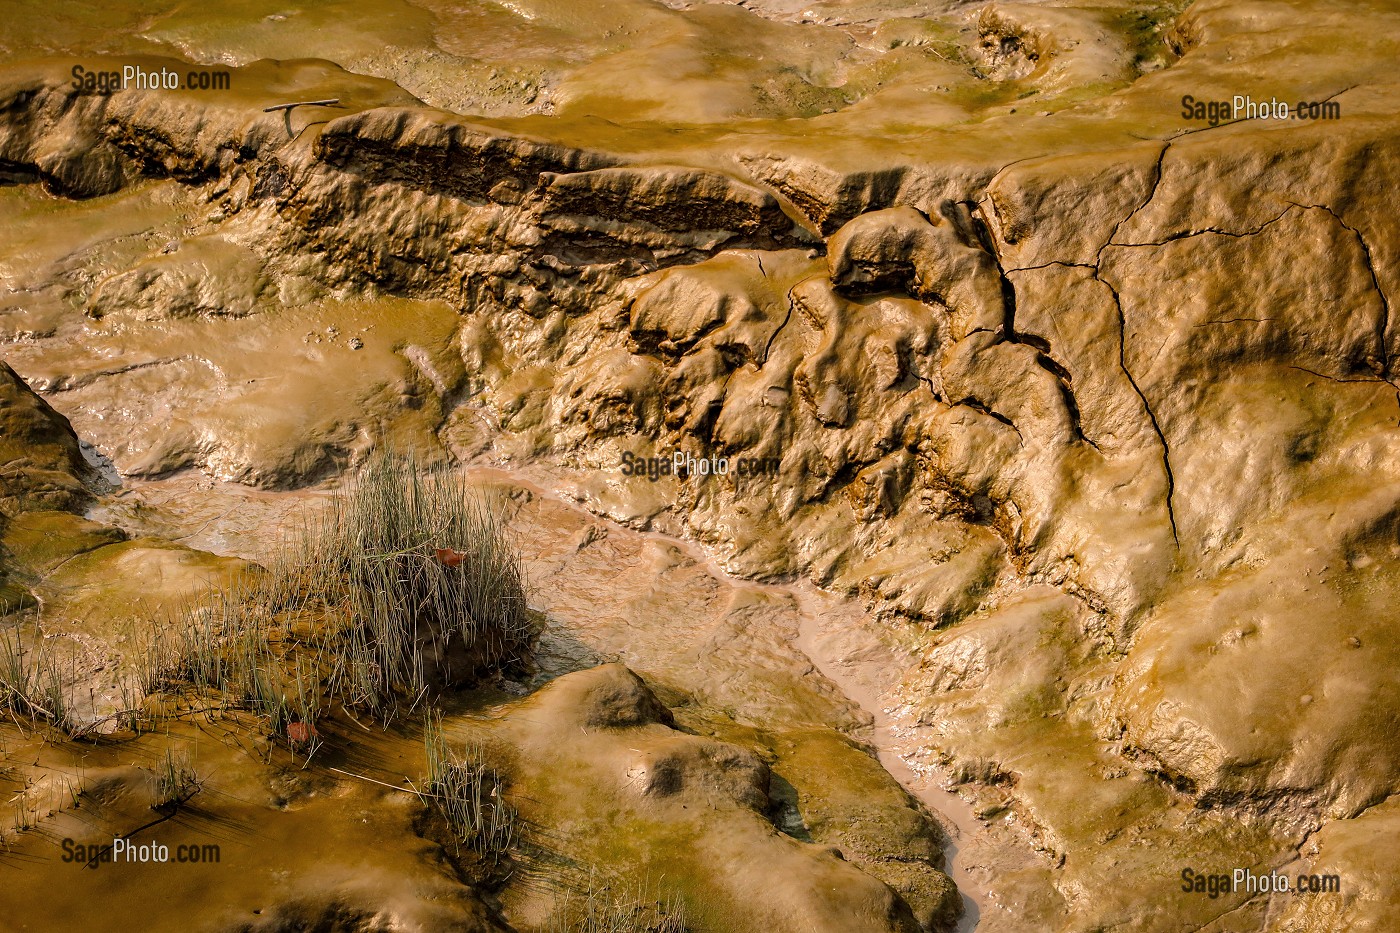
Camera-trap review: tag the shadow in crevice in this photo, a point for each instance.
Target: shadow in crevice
(783, 809)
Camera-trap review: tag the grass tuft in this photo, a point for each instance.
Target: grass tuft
(467, 793)
(175, 781)
(32, 681)
(618, 907)
(406, 582)
(427, 571)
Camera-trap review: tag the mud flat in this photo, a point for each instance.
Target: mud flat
(727, 654)
(723, 654)
(1085, 398)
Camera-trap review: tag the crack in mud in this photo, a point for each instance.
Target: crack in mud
(1043, 357)
(1205, 231)
(1382, 325)
(772, 338)
(1147, 406)
(977, 404)
(72, 383)
(1151, 193)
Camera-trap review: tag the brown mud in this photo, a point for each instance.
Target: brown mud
(1089, 403)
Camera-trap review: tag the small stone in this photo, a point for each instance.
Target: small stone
(356, 343)
(1353, 642)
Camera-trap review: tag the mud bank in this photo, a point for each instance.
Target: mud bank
(1090, 401)
(726, 654)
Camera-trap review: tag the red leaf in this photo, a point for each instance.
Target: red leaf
(448, 557)
(299, 732)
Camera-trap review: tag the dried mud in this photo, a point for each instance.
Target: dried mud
(1077, 565)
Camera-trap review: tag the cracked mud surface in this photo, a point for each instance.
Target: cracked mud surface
(1086, 514)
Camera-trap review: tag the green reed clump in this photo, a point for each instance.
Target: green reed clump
(32, 681)
(466, 792)
(618, 907)
(175, 780)
(427, 561)
(406, 580)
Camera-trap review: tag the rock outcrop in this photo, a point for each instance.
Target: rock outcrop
(41, 463)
